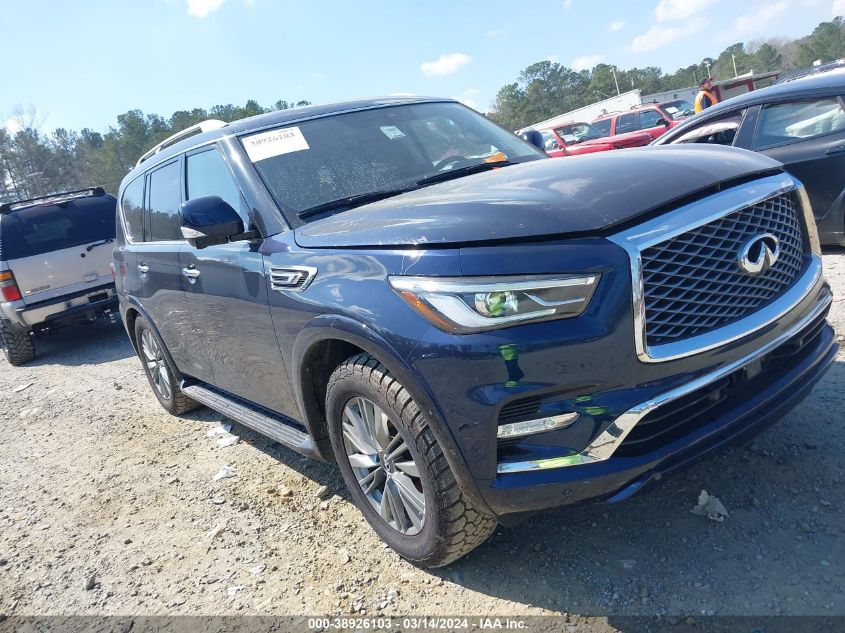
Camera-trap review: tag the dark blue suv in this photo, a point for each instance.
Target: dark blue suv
(472, 331)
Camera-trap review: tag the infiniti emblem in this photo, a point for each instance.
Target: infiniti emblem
(759, 254)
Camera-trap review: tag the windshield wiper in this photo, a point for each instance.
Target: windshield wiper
(463, 171)
(91, 247)
(350, 201)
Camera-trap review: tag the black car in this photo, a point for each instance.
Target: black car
(471, 330)
(801, 124)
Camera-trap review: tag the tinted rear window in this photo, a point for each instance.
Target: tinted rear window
(38, 230)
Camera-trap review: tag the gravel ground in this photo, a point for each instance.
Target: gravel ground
(108, 505)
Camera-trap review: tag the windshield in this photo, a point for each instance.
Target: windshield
(578, 132)
(679, 108)
(351, 158)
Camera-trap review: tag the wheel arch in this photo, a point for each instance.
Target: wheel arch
(327, 341)
(130, 315)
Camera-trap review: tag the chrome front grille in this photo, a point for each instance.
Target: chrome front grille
(692, 283)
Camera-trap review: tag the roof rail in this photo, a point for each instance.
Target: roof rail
(205, 126)
(53, 198)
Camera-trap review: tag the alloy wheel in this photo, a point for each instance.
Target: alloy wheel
(156, 365)
(383, 466)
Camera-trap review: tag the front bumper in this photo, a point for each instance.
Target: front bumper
(611, 473)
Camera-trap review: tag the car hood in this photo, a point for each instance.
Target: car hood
(539, 199)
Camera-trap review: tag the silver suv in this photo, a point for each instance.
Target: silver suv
(54, 266)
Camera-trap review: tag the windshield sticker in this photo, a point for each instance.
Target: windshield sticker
(274, 143)
(671, 109)
(392, 132)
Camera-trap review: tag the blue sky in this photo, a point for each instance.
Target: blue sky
(80, 64)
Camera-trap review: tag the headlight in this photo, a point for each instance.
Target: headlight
(473, 304)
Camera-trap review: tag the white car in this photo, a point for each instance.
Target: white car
(55, 266)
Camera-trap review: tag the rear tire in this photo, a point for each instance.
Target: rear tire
(18, 347)
(159, 374)
(447, 527)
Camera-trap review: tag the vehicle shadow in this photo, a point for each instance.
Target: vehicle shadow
(86, 344)
(322, 473)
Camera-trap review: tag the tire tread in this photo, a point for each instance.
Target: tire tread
(19, 348)
(463, 527)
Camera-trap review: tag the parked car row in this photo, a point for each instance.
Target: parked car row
(616, 130)
(574, 139)
(472, 331)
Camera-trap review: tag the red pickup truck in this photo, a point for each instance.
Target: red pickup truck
(573, 139)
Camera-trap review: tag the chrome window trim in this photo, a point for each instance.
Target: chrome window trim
(151, 166)
(694, 215)
(605, 445)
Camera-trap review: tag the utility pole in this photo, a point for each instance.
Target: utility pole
(613, 70)
(733, 58)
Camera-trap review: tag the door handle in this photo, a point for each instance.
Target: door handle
(190, 273)
(836, 149)
(143, 269)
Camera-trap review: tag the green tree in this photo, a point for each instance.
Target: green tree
(766, 59)
(826, 42)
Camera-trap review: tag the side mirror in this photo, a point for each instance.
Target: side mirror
(209, 220)
(533, 137)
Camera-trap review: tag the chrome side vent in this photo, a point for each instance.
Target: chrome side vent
(291, 278)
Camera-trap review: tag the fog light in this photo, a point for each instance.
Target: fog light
(516, 429)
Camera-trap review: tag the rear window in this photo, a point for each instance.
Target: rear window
(38, 230)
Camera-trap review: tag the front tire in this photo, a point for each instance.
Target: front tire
(395, 469)
(18, 347)
(158, 371)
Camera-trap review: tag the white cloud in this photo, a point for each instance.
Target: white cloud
(658, 36)
(498, 32)
(445, 64)
(755, 22)
(567, 4)
(555, 59)
(469, 97)
(616, 25)
(838, 8)
(680, 9)
(585, 62)
(201, 8)
(13, 125)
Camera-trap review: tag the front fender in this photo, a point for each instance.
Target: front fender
(341, 328)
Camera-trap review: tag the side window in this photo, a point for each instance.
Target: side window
(208, 175)
(549, 141)
(132, 207)
(649, 119)
(602, 126)
(163, 203)
(719, 132)
(789, 122)
(626, 123)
